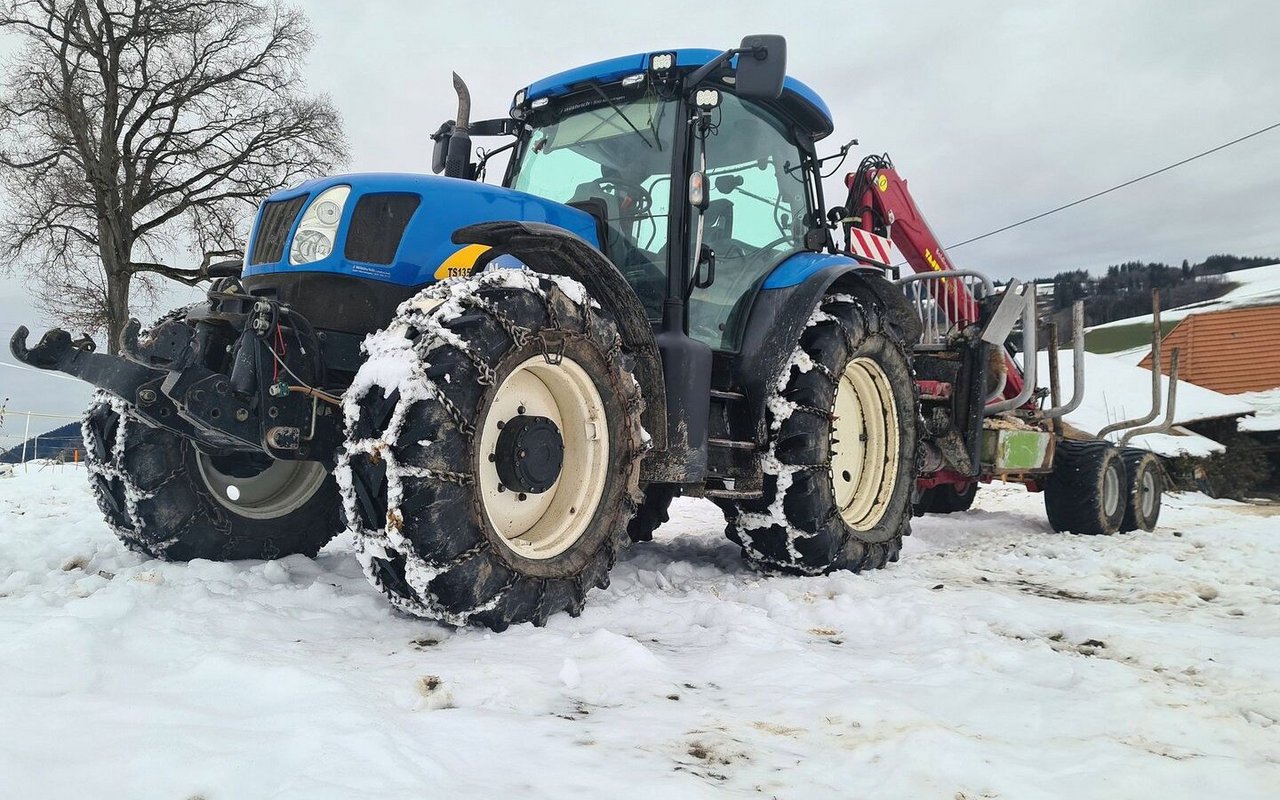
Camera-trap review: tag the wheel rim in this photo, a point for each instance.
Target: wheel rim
(1147, 493)
(1111, 490)
(279, 489)
(864, 449)
(543, 524)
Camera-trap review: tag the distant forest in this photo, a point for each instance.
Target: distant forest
(1125, 290)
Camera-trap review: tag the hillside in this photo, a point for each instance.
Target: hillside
(1252, 287)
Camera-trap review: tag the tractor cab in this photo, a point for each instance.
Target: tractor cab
(623, 139)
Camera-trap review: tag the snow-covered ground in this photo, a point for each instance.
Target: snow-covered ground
(996, 660)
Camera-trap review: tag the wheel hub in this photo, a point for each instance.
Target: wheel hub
(529, 454)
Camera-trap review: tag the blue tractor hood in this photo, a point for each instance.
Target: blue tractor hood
(424, 253)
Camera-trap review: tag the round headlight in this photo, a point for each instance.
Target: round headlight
(327, 212)
(310, 245)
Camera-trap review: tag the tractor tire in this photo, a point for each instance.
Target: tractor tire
(166, 499)
(840, 466)
(1085, 493)
(1144, 489)
(493, 447)
(652, 512)
(944, 499)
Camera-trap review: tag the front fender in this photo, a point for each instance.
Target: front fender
(556, 251)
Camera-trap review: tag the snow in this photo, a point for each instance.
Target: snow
(1257, 286)
(996, 660)
(1267, 405)
(1115, 391)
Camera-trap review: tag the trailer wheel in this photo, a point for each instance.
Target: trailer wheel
(166, 499)
(840, 468)
(1144, 489)
(1085, 493)
(652, 512)
(944, 499)
(493, 446)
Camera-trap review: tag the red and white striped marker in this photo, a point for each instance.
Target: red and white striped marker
(869, 247)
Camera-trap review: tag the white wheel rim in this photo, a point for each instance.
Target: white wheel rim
(864, 448)
(280, 489)
(545, 524)
(1110, 491)
(1147, 493)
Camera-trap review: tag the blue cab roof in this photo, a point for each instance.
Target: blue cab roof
(793, 91)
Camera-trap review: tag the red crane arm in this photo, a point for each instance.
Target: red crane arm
(880, 203)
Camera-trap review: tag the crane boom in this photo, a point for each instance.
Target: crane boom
(880, 203)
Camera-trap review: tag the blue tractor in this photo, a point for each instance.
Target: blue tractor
(496, 388)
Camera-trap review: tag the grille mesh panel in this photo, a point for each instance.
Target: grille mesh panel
(377, 225)
(273, 229)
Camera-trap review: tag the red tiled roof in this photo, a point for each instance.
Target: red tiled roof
(1230, 351)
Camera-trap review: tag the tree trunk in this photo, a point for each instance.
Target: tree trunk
(118, 281)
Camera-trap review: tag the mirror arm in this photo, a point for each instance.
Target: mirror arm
(706, 69)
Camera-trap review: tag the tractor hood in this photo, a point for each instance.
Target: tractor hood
(389, 227)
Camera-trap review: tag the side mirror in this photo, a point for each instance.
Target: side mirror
(440, 148)
(762, 67)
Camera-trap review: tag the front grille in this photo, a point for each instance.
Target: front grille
(274, 224)
(377, 225)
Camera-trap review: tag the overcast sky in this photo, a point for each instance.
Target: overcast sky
(994, 112)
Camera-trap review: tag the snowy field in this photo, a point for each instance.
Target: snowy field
(997, 660)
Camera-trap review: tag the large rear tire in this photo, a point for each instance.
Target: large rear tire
(166, 499)
(944, 499)
(493, 449)
(1145, 489)
(840, 466)
(1085, 493)
(653, 511)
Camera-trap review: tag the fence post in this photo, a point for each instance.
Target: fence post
(26, 435)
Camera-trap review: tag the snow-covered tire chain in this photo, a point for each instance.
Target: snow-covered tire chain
(149, 487)
(944, 499)
(797, 526)
(410, 471)
(1085, 493)
(652, 512)
(1143, 491)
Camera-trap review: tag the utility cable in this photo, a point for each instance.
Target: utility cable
(1114, 188)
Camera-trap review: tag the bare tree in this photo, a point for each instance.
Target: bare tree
(130, 128)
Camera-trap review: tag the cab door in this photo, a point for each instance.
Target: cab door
(755, 218)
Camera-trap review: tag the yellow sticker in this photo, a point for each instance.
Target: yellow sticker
(882, 182)
(459, 264)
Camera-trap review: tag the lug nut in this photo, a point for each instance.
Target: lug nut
(242, 414)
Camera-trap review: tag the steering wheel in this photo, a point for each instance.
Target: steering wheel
(637, 194)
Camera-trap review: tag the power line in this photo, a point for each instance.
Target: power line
(1114, 188)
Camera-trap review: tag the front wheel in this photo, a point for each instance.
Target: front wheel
(492, 453)
(840, 466)
(166, 499)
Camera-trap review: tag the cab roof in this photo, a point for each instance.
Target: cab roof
(802, 101)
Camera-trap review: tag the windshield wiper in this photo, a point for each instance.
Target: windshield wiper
(618, 111)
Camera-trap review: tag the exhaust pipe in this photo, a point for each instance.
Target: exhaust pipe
(458, 157)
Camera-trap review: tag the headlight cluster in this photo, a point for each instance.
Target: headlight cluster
(319, 226)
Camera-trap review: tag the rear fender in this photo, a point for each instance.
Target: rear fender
(779, 315)
(556, 251)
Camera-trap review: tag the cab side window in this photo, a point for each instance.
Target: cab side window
(755, 218)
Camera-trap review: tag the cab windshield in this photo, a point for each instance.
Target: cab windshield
(613, 160)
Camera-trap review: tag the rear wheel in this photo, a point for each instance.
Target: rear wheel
(1145, 487)
(1085, 493)
(493, 451)
(652, 513)
(165, 498)
(840, 466)
(944, 499)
